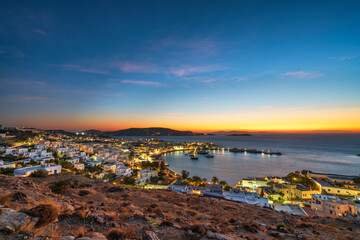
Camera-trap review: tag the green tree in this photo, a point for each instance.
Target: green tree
(129, 180)
(224, 183)
(262, 194)
(214, 180)
(196, 180)
(227, 188)
(184, 174)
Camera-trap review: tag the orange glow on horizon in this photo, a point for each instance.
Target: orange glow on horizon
(301, 119)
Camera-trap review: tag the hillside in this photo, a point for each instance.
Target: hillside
(151, 132)
(97, 209)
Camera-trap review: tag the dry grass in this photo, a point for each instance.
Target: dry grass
(115, 234)
(80, 232)
(45, 212)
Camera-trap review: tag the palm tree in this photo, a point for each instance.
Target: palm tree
(196, 180)
(215, 180)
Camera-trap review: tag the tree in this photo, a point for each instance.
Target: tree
(214, 180)
(227, 188)
(196, 180)
(162, 166)
(262, 193)
(224, 183)
(39, 174)
(129, 180)
(184, 174)
(55, 154)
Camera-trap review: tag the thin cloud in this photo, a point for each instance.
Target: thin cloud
(40, 32)
(192, 70)
(143, 83)
(137, 68)
(172, 44)
(79, 68)
(302, 75)
(23, 83)
(347, 57)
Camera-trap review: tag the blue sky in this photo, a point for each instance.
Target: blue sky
(143, 63)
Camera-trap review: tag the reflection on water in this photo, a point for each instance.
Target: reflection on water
(321, 153)
(333, 153)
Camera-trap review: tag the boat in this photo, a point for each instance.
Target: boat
(194, 158)
(358, 154)
(191, 155)
(203, 152)
(209, 156)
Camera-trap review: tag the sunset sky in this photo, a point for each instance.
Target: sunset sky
(188, 65)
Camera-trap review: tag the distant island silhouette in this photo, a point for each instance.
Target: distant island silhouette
(239, 135)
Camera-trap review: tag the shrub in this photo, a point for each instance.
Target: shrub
(39, 174)
(60, 187)
(84, 192)
(7, 171)
(19, 196)
(80, 232)
(115, 234)
(46, 213)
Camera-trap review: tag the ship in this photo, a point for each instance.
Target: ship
(203, 152)
(194, 158)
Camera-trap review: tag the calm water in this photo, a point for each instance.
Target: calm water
(333, 153)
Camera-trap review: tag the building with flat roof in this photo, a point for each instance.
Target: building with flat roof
(26, 171)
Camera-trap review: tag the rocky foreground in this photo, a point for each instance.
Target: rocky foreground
(88, 209)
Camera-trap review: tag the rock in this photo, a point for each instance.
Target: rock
(7, 230)
(100, 220)
(83, 238)
(210, 234)
(274, 234)
(223, 237)
(12, 219)
(67, 238)
(149, 235)
(115, 224)
(96, 235)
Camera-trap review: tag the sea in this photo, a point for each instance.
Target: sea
(326, 153)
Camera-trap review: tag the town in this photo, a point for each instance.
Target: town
(138, 163)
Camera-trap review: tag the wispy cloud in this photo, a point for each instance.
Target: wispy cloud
(302, 75)
(173, 44)
(342, 58)
(193, 70)
(347, 57)
(79, 68)
(22, 82)
(143, 83)
(137, 68)
(40, 32)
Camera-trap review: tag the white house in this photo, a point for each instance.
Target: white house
(73, 160)
(109, 167)
(26, 171)
(79, 166)
(123, 171)
(145, 175)
(7, 165)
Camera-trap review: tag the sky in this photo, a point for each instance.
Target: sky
(188, 65)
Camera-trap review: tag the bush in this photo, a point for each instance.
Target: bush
(115, 234)
(39, 174)
(46, 213)
(129, 180)
(7, 171)
(60, 187)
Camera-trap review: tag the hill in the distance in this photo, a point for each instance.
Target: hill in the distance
(153, 131)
